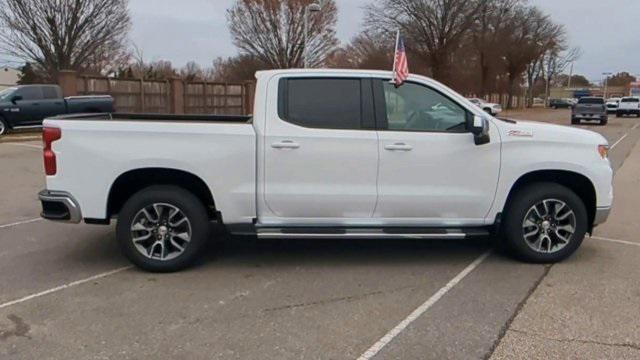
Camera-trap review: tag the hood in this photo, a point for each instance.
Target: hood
(545, 132)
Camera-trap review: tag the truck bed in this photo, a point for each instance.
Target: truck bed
(94, 150)
(158, 117)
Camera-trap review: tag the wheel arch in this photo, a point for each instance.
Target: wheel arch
(133, 181)
(578, 183)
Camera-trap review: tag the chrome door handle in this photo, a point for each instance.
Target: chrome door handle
(399, 147)
(285, 144)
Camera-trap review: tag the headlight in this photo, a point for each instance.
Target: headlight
(603, 150)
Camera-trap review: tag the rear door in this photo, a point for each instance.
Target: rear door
(52, 102)
(431, 172)
(321, 151)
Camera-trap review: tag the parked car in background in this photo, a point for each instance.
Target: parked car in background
(589, 108)
(328, 154)
(612, 105)
(629, 105)
(27, 105)
(491, 108)
(560, 103)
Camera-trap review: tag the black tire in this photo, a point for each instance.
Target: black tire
(521, 204)
(604, 121)
(192, 209)
(575, 121)
(618, 114)
(4, 127)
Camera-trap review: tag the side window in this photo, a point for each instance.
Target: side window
(325, 103)
(414, 107)
(30, 93)
(50, 92)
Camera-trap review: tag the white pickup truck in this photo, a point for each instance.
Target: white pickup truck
(328, 154)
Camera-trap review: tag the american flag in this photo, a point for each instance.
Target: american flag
(400, 63)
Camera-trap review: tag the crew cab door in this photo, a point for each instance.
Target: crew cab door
(320, 151)
(431, 172)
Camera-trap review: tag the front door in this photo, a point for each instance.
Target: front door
(27, 111)
(431, 171)
(321, 152)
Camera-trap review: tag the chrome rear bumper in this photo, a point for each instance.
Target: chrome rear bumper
(59, 206)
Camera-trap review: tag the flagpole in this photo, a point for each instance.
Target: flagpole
(395, 58)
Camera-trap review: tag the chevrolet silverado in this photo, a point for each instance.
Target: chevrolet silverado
(328, 154)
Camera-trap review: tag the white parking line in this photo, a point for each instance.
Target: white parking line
(615, 240)
(31, 146)
(624, 136)
(619, 140)
(19, 223)
(385, 340)
(65, 286)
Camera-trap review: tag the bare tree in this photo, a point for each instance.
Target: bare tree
(236, 69)
(63, 34)
(528, 35)
(486, 37)
(363, 52)
(556, 60)
(272, 31)
(434, 29)
(192, 71)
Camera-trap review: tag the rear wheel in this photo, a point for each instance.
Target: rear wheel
(162, 228)
(604, 121)
(575, 121)
(618, 114)
(545, 223)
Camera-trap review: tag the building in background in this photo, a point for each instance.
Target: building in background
(634, 88)
(8, 77)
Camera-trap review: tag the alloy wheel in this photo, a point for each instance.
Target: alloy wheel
(548, 226)
(161, 231)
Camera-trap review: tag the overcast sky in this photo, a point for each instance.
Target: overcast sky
(608, 32)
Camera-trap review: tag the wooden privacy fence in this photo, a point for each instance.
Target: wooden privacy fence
(169, 96)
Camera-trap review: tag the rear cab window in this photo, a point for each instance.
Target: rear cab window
(326, 103)
(51, 92)
(630, 100)
(596, 101)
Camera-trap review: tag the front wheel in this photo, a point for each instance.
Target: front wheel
(545, 223)
(162, 228)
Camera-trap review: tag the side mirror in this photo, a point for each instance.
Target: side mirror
(480, 130)
(16, 98)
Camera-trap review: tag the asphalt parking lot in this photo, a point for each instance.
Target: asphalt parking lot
(66, 292)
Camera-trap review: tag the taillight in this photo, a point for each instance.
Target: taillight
(49, 135)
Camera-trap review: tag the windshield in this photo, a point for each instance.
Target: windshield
(6, 93)
(591, 101)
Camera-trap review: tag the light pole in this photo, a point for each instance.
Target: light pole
(313, 7)
(606, 82)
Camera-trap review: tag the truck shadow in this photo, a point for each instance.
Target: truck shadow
(252, 251)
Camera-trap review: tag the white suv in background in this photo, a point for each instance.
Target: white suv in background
(491, 108)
